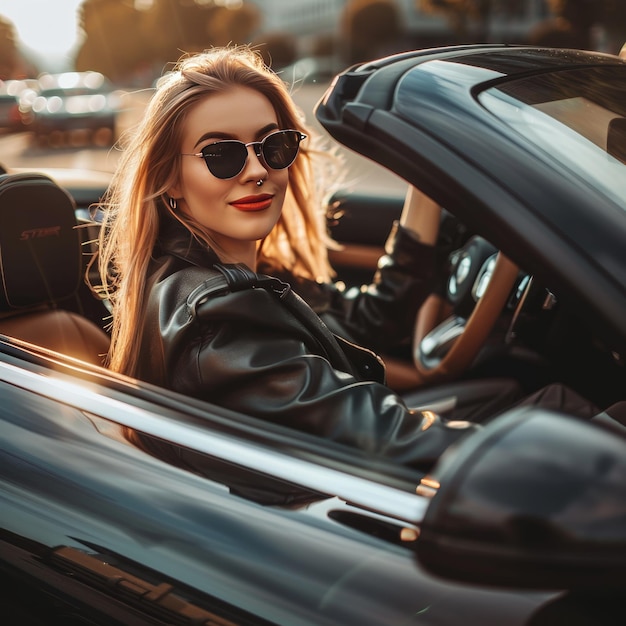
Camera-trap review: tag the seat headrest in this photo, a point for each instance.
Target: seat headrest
(40, 254)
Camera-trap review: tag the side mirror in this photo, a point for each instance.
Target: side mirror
(535, 500)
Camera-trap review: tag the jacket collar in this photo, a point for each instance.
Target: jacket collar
(177, 241)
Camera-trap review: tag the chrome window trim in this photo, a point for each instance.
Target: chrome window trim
(382, 499)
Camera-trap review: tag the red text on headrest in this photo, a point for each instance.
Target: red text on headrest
(38, 233)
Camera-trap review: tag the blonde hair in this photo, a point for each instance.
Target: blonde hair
(150, 166)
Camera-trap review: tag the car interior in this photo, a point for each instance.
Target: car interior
(42, 262)
(46, 244)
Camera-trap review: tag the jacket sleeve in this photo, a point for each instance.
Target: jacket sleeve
(243, 351)
(381, 314)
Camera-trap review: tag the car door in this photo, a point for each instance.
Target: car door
(102, 529)
(360, 223)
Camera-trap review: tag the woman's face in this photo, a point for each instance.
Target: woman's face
(236, 212)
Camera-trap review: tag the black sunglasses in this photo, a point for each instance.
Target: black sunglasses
(225, 159)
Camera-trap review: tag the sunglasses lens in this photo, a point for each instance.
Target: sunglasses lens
(225, 159)
(281, 149)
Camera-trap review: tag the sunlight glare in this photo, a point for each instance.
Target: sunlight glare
(42, 25)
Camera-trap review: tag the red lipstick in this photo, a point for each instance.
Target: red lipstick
(258, 202)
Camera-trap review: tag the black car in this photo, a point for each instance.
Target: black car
(124, 503)
(71, 102)
(10, 94)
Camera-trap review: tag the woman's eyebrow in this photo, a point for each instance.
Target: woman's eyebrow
(221, 135)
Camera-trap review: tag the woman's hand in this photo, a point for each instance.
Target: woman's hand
(421, 216)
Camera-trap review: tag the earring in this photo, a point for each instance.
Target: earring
(172, 202)
(259, 182)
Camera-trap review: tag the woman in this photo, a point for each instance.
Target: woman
(217, 181)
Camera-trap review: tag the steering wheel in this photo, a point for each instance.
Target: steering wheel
(449, 333)
(477, 289)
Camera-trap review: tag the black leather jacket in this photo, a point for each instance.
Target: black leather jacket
(262, 351)
(381, 315)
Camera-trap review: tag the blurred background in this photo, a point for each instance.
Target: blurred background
(130, 41)
(76, 70)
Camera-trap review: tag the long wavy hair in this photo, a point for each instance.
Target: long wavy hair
(150, 165)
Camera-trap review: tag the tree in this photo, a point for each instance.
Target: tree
(461, 14)
(370, 28)
(570, 24)
(278, 50)
(9, 56)
(120, 39)
(113, 42)
(233, 25)
(178, 27)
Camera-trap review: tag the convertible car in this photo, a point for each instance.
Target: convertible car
(104, 516)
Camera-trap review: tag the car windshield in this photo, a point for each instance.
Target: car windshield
(578, 116)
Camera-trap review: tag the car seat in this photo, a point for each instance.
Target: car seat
(41, 269)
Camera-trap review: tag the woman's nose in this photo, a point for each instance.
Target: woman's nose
(255, 168)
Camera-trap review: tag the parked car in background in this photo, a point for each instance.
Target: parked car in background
(10, 93)
(71, 102)
(125, 503)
